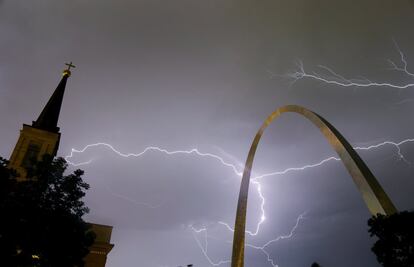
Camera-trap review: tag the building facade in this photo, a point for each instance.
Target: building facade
(42, 137)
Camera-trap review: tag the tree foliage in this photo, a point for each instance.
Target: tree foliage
(395, 233)
(41, 217)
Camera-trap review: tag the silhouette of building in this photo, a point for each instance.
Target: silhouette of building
(42, 137)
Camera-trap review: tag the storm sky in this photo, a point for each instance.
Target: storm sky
(204, 74)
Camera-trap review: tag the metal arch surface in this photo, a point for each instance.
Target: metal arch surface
(374, 196)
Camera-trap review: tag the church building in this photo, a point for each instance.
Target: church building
(42, 137)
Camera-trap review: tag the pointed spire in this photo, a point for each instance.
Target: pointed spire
(49, 117)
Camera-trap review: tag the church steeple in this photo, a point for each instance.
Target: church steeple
(43, 136)
(49, 117)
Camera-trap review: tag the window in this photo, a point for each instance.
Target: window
(31, 154)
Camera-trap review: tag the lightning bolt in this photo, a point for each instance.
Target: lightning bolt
(255, 181)
(146, 150)
(205, 247)
(262, 248)
(80, 163)
(288, 236)
(403, 67)
(329, 76)
(397, 145)
(262, 217)
(336, 79)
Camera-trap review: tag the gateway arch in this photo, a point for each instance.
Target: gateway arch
(374, 196)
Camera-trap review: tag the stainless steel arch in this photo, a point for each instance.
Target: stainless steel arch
(374, 196)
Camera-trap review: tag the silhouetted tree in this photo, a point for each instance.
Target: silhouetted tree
(395, 245)
(41, 217)
(315, 265)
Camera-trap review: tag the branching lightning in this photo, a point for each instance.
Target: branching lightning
(397, 145)
(205, 247)
(262, 248)
(255, 181)
(288, 236)
(334, 78)
(331, 77)
(404, 65)
(146, 150)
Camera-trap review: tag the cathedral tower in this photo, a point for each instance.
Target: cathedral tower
(43, 136)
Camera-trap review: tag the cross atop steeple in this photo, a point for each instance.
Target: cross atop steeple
(67, 71)
(70, 65)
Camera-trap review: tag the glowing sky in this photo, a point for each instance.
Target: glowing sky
(188, 74)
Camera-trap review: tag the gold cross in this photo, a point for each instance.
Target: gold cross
(70, 65)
